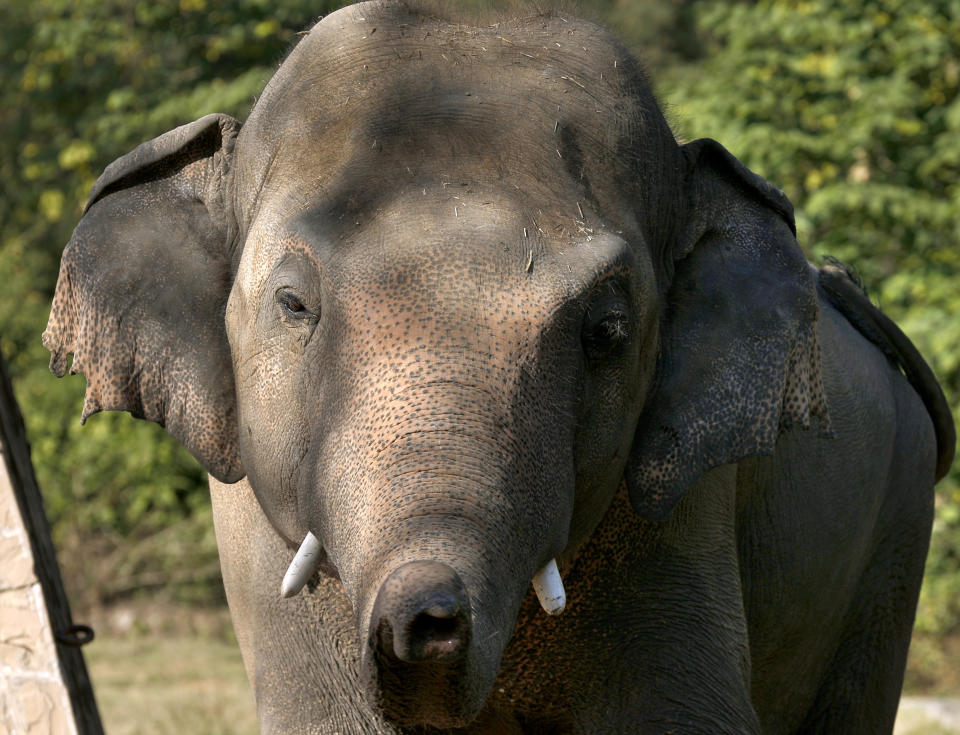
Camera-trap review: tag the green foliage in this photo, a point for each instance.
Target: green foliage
(663, 32)
(853, 109)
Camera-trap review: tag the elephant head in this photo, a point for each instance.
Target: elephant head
(445, 288)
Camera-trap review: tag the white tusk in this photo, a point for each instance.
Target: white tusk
(549, 588)
(302, 567)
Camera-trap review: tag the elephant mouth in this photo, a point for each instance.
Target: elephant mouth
(417, 661)
(434, 693)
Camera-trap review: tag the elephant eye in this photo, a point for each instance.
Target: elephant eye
(292, 306)
(605, 333)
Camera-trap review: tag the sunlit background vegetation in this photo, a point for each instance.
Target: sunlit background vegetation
(850, 106)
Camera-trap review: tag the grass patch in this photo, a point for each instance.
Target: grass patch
(182, 684)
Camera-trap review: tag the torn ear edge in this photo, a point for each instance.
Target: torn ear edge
(142, 287)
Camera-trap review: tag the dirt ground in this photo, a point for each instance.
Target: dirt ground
(928, 716)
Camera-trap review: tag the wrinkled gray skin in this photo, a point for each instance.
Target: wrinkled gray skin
(453, 299)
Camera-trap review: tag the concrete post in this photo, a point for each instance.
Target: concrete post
(44, 688)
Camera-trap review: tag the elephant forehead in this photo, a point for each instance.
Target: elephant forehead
(376, 94)
(389, 53)
(460, 259)
(438, 233)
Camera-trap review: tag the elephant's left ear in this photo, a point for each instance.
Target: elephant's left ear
(740, 359)
(142, 291)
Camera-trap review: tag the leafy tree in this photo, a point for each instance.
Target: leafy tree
(852, 108)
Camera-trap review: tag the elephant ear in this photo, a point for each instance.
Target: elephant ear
(740, 359)
(143, 287)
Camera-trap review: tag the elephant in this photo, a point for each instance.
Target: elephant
(520, 415)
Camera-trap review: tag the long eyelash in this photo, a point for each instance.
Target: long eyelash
(617, 328)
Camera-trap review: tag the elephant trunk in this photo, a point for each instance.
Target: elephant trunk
(418, 656)
(437, 509)
(421, 615)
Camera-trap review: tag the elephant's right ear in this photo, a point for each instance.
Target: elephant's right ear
(143, 287)
(740, 358)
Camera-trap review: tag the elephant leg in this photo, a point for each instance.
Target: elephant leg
(300, 653)
(861, 690)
